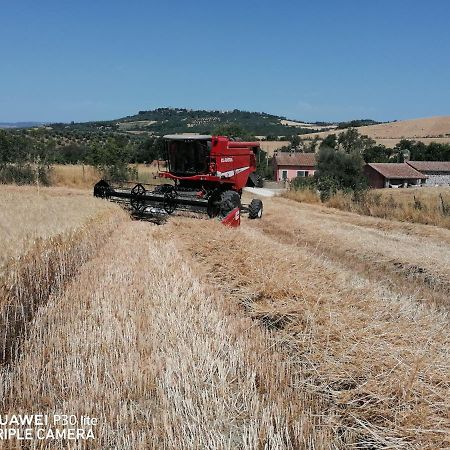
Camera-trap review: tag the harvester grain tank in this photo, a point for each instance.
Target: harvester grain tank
(204, 173)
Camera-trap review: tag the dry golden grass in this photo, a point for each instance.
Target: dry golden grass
(148, 173)
(46, 235)
(74, 175)
(378, 358)
(428, 195)
(85, 176)
(160, 357)
(429, 206)
(28, 214)
(272, 146)
(302, 195)
(306, 329)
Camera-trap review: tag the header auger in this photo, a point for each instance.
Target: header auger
(204, 173)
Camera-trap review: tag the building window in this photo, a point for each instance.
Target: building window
(284, 174)
(302, 173)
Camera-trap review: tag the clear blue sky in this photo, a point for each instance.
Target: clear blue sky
(326, 60)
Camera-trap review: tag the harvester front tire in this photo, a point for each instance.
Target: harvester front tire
(229, 201)
(255, 209)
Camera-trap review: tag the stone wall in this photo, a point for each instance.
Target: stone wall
(437, 178)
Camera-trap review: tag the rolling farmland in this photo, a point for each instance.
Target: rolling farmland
(311, 328)
(426, 130)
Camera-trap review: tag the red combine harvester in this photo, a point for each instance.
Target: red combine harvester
(208, 174)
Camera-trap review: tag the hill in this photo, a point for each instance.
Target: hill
(178, 120)
(430, 129)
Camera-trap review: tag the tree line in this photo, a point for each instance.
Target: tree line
(25, 157)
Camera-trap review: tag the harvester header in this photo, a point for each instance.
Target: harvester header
(204, 173)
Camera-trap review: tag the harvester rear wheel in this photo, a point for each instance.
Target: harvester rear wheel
(255, 209)
(229, 201)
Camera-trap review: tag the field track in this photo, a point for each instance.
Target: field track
(312, 328)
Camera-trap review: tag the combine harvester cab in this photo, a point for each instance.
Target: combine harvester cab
(204, 173)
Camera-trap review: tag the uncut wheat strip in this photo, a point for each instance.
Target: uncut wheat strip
(148, 350)
(384, 244)
(28, 215)
(348, 330)
(399, 207)
(391, 308)
(68, 349)
(210, 318)
(416, 264)
(42, 271)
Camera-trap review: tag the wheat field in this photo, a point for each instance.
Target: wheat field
(29, 214)
(312, 328)
(426, 130)
(428, 206)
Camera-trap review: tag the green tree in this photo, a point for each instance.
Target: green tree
(112, 158)
(339, 170)
(295, 142)
(149, 150)
(378, 153)
(421, 152)
(233, 130)
(330, 141)
(264, 165)
(351, 141)
(312, 147)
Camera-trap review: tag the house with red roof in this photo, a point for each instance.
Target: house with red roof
(384, 175)
(437, 172)
(289, 165)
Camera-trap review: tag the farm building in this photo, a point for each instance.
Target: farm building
(287, 166)
(437, 172)
(383, 175)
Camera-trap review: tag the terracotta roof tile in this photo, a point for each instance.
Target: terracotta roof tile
(295, 159)
(431, 166)
(397, 170)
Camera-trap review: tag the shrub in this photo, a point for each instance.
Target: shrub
(328, 186)
(25, 173)
(304, 183)
(117, 172)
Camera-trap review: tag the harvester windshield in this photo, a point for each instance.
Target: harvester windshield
(188, 156)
